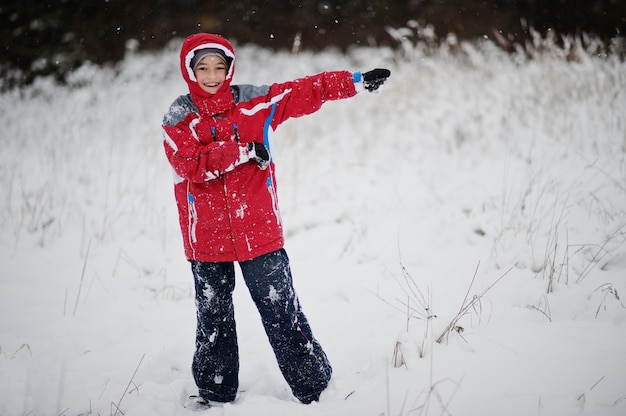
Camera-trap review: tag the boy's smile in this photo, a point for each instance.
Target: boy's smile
(211, 73)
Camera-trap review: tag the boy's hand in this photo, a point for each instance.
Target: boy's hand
(258, 153)
(374, 79)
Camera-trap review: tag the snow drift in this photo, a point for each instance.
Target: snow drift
(478, 201)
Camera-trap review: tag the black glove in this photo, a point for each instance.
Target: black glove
(372, 80)
(258, 153)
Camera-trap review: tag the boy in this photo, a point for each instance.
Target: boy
(216, 139)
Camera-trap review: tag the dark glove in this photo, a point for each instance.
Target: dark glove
(372, 80)
(258, 153)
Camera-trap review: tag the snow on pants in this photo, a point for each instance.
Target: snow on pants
(300, 357)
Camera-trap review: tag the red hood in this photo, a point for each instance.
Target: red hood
(207, 103)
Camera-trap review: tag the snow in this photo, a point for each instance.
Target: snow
(479, 192)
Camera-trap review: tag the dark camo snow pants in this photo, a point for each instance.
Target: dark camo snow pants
(216, 361)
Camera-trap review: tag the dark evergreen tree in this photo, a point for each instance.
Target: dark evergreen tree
(52, 37)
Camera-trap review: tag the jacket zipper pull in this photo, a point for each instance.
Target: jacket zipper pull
(213, 133)
(236, 133)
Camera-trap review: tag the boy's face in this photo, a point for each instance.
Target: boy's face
(210, 73)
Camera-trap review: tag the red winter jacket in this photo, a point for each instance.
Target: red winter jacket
(227, 205)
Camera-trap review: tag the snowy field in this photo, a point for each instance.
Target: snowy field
(458, 241)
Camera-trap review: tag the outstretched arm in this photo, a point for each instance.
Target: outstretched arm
(306, 95)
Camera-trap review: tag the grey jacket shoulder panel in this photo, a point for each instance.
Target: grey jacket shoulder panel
(246, 92)
(179, 109)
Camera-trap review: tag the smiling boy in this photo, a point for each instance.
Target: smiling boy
(216, 139)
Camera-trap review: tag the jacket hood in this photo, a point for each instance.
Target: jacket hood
(207, 103)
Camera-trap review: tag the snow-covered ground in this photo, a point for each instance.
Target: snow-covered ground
(479, 200)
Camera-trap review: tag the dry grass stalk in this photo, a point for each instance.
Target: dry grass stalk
(467, 306)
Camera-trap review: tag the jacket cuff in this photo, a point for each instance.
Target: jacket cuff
(357, 77)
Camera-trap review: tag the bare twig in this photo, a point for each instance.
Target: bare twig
(599, 255)
(546, 311)
(23, 346)
(582, 395)
(410, 288)
(467, 306)
(131, 382)
(607, 288)
(82, 278)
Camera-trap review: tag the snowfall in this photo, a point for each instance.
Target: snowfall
(458, 240)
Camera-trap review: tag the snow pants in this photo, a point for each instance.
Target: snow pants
(215, 366)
